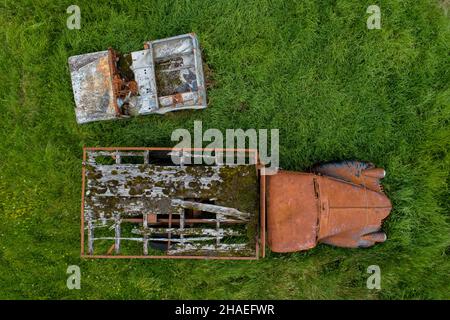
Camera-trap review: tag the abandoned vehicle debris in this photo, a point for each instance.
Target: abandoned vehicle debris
(144, 205)
(327, 206)
(166, 76)
(138, 203)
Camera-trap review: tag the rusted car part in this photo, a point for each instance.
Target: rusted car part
(138, 204)
(357, 172)
(166, 76)
(344, 209)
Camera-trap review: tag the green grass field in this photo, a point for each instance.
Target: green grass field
(312, 69)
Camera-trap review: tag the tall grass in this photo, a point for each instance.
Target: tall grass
(312, 69)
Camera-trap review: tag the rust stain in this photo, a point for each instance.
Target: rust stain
(152, 218)
(112, 59)
(133, 87)
(103, 68)
(177, 99)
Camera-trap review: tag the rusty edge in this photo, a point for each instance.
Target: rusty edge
(262, 209)
(259, 167)
(113, 71)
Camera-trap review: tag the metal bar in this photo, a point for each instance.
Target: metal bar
(200, 74)
(170, 257)
(94, 154)
(110, 250)
(90, 234)
(182, 226)
(262, 213)
(168, 233)
(83, 187)
(118, 238)
(226, 211)
(150, 47)
(218, 216)
(208, 248)
(144, 223)
(167, 149)
(117, 235)
(168, 240)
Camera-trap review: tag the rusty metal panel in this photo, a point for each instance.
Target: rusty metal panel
(357, 172)
(166, 76)
(350, 215)
(292, 212)
(345, 209)
(136, 203)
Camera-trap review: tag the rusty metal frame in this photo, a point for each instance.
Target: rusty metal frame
(260, 237)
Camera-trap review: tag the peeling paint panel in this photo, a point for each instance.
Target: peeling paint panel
(144, 73)
(176, 210)
(92, 87)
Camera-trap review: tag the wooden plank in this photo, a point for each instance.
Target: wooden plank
(196, 239)
(224, 211)
(128, 206)
(109, 222)
(131, 180)
(200, 248)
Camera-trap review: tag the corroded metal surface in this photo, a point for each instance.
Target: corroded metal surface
(357, 172)
(350, 215)
(305, 209)
(92, 87)
(166, 76)
(291, 212)
(199, 210)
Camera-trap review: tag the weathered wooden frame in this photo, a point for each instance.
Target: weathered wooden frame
(260, 236)
(99, 91)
